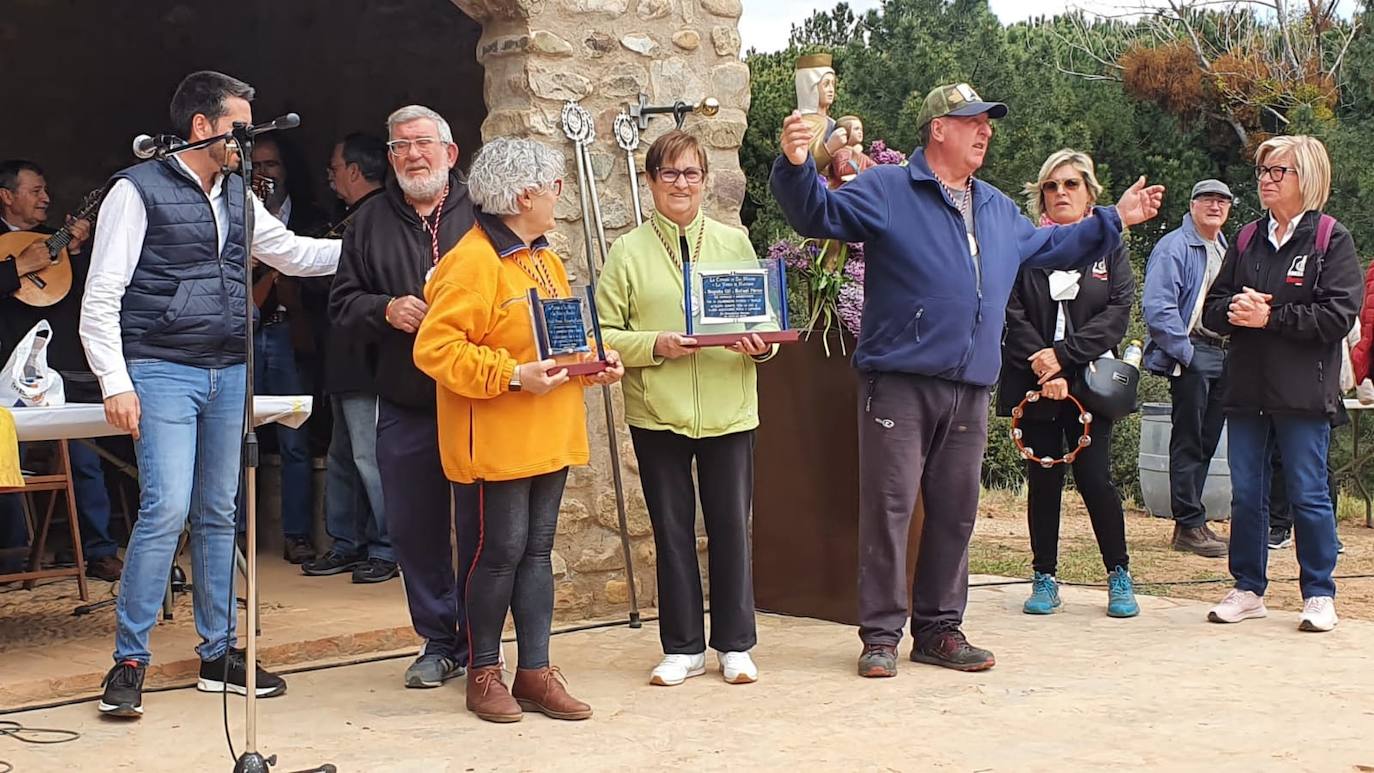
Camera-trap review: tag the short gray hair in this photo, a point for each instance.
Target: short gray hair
(507, 167)
(415, 113)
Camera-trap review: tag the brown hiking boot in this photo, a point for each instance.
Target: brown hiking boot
(1197, 540)
(488, 697)
(878, 661)
(542, 690)
(1207, 527)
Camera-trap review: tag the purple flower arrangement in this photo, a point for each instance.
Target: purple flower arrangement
(882, 154)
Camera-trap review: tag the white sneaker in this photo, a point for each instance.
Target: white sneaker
(1237, 606)
(676, 669)
(737, 667)
(1318, 614)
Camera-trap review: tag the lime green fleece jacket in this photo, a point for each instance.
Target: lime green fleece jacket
(707, 394)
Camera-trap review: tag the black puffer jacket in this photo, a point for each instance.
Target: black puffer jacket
(1293, 364)
(387, 253)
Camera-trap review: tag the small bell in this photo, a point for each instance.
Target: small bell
(1047, 462)
(1016, 433)
(1085, 441)
(1033, 397)
(1085, 418)
(1017, 413)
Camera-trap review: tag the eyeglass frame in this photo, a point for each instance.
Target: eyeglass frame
(1261, 171)
(392, 145)
(684, 174)
(1068, 184)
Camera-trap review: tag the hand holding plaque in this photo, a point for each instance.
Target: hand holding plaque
(726, 303)
(567, 332)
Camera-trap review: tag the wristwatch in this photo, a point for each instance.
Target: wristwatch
(515, 379)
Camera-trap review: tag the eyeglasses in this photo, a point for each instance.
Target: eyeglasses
(1208, 200)
(693, 175)
(1052, 186)
(425, 145)
(1274, 173)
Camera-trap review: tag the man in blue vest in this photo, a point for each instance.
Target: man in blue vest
(164, 330)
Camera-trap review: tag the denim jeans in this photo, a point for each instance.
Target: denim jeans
(355, 512)
(275, 373)
(188, 461)
(513, 570)
(1303, 441)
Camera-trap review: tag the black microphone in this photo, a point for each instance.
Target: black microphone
(146, 146)
(288, 121)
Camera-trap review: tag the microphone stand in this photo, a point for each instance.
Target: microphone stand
(241, 138)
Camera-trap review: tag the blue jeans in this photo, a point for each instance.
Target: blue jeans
(1303, 441)
(275, 373)
(355, 513)
(188, 461)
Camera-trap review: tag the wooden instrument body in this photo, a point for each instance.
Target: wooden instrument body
(46, 286)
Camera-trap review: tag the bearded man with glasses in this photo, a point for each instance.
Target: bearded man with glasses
(1181, 270)
(389, 251)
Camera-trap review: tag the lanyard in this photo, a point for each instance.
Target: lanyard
(434, 229)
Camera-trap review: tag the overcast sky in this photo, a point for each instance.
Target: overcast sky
(767, 23)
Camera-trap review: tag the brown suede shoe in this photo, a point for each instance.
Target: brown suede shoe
(1207, 527)
(107, 568)
(1196, 540)
(488, 697)
(542, 690)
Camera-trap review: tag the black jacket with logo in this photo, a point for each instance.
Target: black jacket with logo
(1097, 321)
(1293, 364)
(387, 253)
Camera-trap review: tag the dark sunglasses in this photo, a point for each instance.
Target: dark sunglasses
(1052, 186)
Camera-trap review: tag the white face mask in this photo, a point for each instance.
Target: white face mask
(1064, 285)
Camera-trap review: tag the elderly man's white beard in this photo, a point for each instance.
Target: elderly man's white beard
(425, 188)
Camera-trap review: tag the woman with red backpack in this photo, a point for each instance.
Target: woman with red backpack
(1288, 292)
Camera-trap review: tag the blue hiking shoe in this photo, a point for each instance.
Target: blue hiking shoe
(1121, 594)
(1044, 598)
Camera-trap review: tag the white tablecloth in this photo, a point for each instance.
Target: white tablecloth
(87, 420)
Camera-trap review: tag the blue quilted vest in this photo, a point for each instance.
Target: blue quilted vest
(186, 301)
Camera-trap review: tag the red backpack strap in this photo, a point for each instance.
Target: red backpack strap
(1325, 226)
(1246, 235)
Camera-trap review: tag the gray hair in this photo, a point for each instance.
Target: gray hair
(507, 167)
(415, 113)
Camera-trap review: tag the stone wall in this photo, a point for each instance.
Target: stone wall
(602, 53)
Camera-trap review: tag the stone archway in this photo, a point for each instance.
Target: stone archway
(538, 54)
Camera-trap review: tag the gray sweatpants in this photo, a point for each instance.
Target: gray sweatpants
(916, 433)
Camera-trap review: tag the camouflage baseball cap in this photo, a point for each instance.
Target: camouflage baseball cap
(957, 99)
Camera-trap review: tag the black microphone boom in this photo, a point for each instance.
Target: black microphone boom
(146, 147)
(288, 121)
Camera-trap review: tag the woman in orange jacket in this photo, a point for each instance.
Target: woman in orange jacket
(510, 425)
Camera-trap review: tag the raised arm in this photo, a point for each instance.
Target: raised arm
(856, 212)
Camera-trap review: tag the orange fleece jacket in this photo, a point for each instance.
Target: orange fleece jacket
(476, 331)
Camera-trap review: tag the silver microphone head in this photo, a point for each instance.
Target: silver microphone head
(144, 146)
(288, 121)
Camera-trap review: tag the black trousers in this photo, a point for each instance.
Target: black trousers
(725, 470)
(420, 519)
(1092, 475)
(1197, 420)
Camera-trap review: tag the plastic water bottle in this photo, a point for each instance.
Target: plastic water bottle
(1133, 354)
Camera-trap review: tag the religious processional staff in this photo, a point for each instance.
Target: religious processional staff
(685, 404)
(510, 424)
(943, 251)
(1287, 294)
(1058, 323)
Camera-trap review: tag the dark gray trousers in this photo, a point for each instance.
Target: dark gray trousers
(916, 433)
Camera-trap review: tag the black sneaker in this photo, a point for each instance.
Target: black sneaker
(330, 563)
(123, 690)
(375, 570)
(1280, 538)
(212, 676)
(950, 649)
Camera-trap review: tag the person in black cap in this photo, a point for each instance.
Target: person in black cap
(943, 253)
(1178, 275)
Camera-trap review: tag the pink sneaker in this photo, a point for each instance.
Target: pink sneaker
(1237, 606)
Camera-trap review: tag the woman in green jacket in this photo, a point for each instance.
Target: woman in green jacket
(684, 403)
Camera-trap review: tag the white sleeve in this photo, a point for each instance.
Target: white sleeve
(119, 232)
(283, 250)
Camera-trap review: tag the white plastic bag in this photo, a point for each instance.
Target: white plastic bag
(1347, 367)
(27, 379)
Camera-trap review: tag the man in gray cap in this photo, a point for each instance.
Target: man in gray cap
(943, 251)
(1180, 272)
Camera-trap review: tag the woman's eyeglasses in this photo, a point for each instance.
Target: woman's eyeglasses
(1052, 186)
(1274, 173)
(691, 174)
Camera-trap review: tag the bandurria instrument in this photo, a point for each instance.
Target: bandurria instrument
(49, 285)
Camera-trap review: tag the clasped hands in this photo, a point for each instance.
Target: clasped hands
(1249, 308)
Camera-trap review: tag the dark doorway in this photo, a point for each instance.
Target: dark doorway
(81, 79)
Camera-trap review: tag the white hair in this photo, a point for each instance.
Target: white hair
(507, 167)
(415, 113)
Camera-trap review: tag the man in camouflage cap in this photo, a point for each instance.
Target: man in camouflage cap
(943, 251)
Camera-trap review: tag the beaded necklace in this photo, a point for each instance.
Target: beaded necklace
(667, 247)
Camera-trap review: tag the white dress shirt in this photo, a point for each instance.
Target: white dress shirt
(119, 233)
(1277, 239)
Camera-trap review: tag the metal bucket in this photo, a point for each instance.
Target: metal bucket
(1155, 426)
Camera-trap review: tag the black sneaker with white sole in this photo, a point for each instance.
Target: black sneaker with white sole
(212, 676)
(123, 696)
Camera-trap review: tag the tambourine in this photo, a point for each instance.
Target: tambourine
(1084, 417)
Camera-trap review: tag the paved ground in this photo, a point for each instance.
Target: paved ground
(1076, 691)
